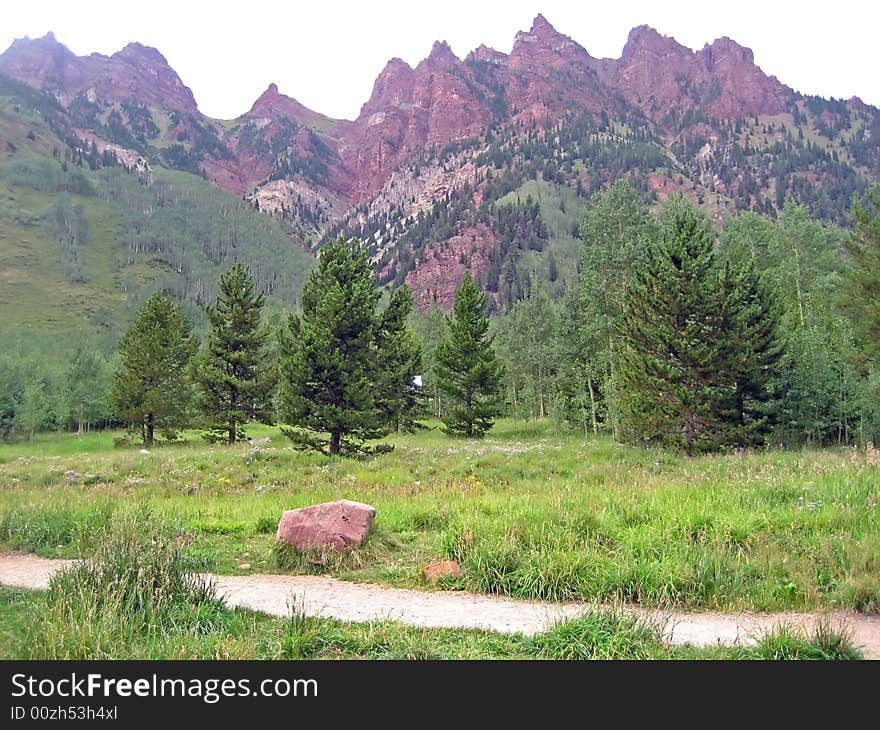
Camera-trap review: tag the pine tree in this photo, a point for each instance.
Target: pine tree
(862, 282)
(400, 401)
(234, 375)
(752, 332)
(151, 388)
(466, 367)
(676, 388)
(330, 357)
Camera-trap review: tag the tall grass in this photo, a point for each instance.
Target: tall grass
(136, 588)
(525, 512)
(825, 642)
(599, 635)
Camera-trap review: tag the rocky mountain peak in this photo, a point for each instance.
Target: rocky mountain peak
(138, 52)
(725, 50)
(643, 40)
(43, 62)
(543, 44)
(487, 54)
(392, 87)
(272, 103)
(441, 58)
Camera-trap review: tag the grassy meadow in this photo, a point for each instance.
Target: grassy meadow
(136, 598)
(527, 512)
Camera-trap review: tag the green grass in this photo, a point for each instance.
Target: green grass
(526, 512)
(137, 598)
(136, 602)
(221, 633)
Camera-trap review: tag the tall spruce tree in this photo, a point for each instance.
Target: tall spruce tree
(342, 359)
(151, 388)
(467, 370)
(234, 375)
(676, 388)
(755, 348)
(401, 402)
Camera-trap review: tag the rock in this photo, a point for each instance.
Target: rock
(245, 566)
(144, 452)
(260, 442)
(436, 276)
(336, 525)
(72, 475)
(444, 569)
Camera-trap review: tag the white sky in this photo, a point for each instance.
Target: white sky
(327, 53)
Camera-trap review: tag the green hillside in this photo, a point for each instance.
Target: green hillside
(81, 248)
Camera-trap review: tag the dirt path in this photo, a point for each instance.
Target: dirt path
(361, 602)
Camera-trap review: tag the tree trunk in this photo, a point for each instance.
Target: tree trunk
(334, 442)
(593, 404)
(233, 402)
(151, 425)
(541, 412)
(612, 400)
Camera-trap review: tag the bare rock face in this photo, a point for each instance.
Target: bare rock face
(337, 525)
(656, 74)
(137, 72)
(436, 277)
(444, 569)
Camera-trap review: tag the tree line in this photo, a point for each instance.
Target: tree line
(684, 335)
(342, 372)
(677, 334)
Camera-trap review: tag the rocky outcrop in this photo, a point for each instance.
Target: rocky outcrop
(136, 73)
(435, 277)
(336, 525)
(659, 75)
(272, 104)
(409, 111)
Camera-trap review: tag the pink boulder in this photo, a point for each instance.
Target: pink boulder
(445, 569)
(336, 525)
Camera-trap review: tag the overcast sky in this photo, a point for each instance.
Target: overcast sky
(327, 53)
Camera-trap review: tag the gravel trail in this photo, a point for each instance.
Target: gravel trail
(363, 602)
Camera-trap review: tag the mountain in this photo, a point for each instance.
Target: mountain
(480, 163)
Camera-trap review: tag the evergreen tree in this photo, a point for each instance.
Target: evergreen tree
(330, 367)
(676, 388)
(400, 401)
(752, 333)
(151, 388)
(862, 283)
(466, 367)
(234, 375)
